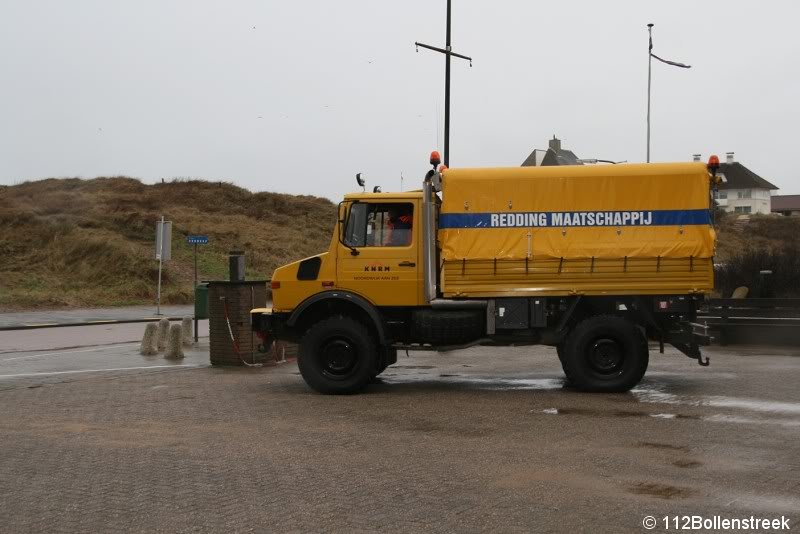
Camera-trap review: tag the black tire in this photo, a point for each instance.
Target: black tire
(377, 371)
(388, 356)
(560, 352)
(605, 353)
(337, 355)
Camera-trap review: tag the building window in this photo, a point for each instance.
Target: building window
(745, 193)
(743, 209)
(721, 195)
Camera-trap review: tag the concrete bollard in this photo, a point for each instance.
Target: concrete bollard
(175, 343)
(163, 333)
(149, 344)
(186, 328)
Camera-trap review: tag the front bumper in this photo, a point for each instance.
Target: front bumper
(269, 325)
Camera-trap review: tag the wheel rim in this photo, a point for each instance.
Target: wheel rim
(338, 358)
(606, 356)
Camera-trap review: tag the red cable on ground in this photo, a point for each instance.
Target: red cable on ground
(233, 339)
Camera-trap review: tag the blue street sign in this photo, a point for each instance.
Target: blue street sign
(197, 239)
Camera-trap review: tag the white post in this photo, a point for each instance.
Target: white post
(160, 261)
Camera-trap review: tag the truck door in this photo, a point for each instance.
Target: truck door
(386, 267)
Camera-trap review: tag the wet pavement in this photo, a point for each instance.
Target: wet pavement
(100, 438)
(49, 317)
(70, 337)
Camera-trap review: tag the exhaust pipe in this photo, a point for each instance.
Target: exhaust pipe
(429, 237)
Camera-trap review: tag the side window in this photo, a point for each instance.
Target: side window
(380, 225)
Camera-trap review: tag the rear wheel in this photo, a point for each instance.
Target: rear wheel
(605, 353)
(337, 356)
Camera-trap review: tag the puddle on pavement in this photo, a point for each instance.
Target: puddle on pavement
(715, 418)
(491, 384)
(687, 464)
(662, 446)
(658, 396)
(762, 503)
(661, 397)
(662, 491)
(615, 413)
(721, 418)
(755, 405)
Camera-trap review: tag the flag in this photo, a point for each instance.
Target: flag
(673, 63)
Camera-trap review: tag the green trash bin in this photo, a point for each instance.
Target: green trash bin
(201, 301)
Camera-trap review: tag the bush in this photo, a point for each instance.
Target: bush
(744, 269)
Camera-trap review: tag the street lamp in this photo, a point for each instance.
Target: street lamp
(650, 56)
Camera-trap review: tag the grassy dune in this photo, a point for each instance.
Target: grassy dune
(73, 242)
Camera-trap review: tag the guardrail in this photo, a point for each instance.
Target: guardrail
(753, 321)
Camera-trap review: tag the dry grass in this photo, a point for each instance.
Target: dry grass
(765, 232)
(766, 242)
(73, 242)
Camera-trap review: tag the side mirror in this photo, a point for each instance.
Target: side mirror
(360, 181)
(343, 223)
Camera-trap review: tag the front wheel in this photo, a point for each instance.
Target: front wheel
(605, 353)
(337, 356)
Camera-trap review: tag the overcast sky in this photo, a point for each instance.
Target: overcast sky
(298, 96)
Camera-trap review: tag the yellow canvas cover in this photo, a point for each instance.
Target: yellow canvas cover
(577, 212)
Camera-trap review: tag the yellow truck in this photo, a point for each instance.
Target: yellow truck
(594, 260)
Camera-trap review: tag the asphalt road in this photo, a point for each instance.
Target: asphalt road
(484, 439)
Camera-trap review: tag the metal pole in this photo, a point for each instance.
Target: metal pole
(448, 53)
(649, 77)
(195, 292)
(160, 261)
(447, 92)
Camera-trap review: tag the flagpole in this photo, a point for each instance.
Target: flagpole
(649, 79)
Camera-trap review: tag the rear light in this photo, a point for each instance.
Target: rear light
(275, 285)
(327, 284)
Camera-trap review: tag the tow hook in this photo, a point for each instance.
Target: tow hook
(697, 354)
(692, 351)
